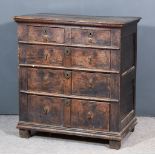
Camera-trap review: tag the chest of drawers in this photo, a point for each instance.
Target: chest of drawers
(77, 75)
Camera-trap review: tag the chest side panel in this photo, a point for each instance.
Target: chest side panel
(128, 73)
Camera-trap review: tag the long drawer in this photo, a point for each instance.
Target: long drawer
(91, 36)
(77, 83)
(70, 57)
(66, 112)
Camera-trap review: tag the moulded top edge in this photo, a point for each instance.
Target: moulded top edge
(77, 19)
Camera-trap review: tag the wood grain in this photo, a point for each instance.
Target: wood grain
(77, 75)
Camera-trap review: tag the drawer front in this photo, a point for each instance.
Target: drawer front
(90, 84)
(46, 34)
(46, 110)
(90, 115)
(69, 57)
(98, 37)
(90, 58)
(41, 55)
(46, 80)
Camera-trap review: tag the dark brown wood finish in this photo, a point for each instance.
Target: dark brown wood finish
(45, 110)
(77, 75)
(47, 55)
(90, 115)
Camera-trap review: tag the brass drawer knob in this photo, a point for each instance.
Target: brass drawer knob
(90, 35)
(90, 40)
(46, 110)
(90, 115)
(90, 60)
(45, 38)
(67, 51)
(90, 82)
(46, 56)
(67, 74)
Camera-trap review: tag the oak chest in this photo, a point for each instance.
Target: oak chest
(77, 75)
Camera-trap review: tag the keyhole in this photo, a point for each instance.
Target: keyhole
(90, 33)
(67, 51)
(67, 75)
(45, 31)
(67, 102)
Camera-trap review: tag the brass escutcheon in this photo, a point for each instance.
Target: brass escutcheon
(45, 30)
(45, 35)
(67, 51)
(67, 74)
(90, 33)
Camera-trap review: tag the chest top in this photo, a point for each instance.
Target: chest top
(77, 19)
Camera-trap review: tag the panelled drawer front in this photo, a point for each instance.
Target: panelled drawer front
(46, 34)
(95, 58)
(46, 110)
(90, 115)
(74, 113)
(41, 55)
(98, 37)
(91, 58)
(95, 37)
(70, 57)
(90, 84)
(78, 83)
(46, 80)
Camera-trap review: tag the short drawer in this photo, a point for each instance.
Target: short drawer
(45, 80)
(90, 115)
(97, 85)
(46, 110)
(43, 34)
(41, 55)
(91, 84)
(70, 57)
(98, 37)
(95, 58)
(46, 34)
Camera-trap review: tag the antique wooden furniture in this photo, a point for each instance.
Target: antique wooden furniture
(77, 75)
